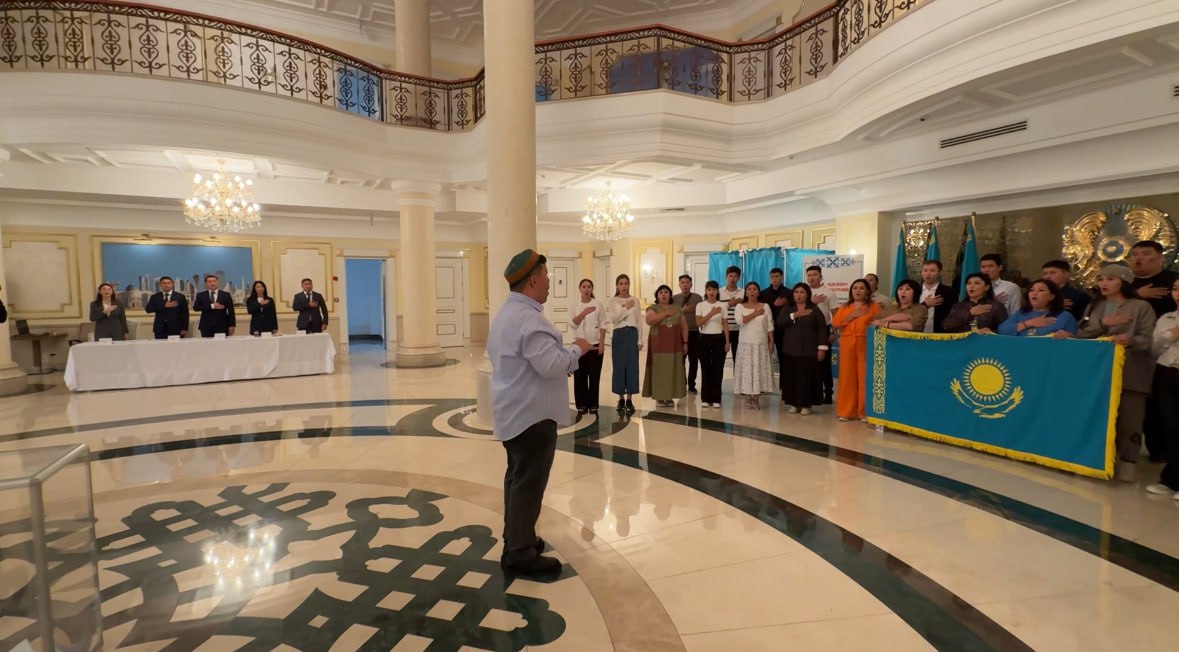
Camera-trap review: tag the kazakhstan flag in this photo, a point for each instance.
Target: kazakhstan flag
(1052, 402)
(933, 251)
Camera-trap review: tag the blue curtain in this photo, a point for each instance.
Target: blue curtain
(795, 272)
(718, 262)
(758, 263)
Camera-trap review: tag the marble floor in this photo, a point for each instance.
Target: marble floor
(362, 511)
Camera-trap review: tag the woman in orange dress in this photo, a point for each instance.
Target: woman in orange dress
(853, 319)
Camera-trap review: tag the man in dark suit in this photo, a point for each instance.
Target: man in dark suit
(216, 308)
(171, 311)
(312, 309)
(935, 295)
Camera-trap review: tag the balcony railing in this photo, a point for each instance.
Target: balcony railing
(43, 35)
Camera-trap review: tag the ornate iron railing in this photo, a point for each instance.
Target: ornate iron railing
(85, 35)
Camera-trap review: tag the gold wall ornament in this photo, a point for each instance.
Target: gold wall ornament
(1105, 236)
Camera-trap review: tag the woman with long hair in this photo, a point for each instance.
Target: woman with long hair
(979, 311)
(752, 372)
(623, 311)
(714, 344)
(1117, 313)
(1166, 396)
(905, 313)
(803, 346)
(263, 313)
(589, 323)
(110, 320)
(853, 319)
(1043, 313)
(667, 338)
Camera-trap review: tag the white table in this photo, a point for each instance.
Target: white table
(156, 363)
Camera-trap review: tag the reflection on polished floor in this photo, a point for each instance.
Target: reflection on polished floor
(363, 510)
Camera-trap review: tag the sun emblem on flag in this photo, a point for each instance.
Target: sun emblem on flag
(985, 387)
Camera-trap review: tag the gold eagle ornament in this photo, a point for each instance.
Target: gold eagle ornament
(1105, 236)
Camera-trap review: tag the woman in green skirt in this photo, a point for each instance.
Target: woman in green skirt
(668, 336)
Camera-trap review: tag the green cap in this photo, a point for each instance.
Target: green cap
(521, 265)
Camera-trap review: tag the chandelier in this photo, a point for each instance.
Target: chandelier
(608, 217)
(222, 204)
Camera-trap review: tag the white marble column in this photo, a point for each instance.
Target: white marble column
(12, 379)
(510, 121)
(412, 22)
(417, 344)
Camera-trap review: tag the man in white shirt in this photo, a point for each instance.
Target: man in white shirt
(731, 294)
(1006, 292)
(828, 303)
(874, 284)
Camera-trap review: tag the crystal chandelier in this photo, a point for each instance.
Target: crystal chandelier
(222, 204)
(608, 217)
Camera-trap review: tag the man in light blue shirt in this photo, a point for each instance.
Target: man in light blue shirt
(530, 397)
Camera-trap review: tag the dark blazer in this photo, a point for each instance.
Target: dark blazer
(958, 321)
(769, 295)
(113, 325)
(3, 313)
(169, 321)
(214, 321)
(312, 320)
(801, 337)
(263, 318)
(938, 313)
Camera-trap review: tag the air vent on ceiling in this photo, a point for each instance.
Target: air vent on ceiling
(1175, 91)
(672, 210)
(1022, 125)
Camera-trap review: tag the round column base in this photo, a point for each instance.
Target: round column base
(420, 357)
(13, 381)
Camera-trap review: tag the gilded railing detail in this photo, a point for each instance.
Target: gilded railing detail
(111, 37)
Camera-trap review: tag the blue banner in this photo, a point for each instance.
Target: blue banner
(1052, 402)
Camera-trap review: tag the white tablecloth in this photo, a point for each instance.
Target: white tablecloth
(156, 363)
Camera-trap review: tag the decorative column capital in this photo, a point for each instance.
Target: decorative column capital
(416, 193)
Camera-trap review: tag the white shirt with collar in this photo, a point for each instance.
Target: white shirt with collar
(620, 315)
(590, 328)
(927, 292)
(1166, 345)
(1013, 297)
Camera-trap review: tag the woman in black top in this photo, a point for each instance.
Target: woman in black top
(803, 346)
(263, 317)
(980, 311)
(110, 320)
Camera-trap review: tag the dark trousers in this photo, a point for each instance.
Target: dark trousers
(1128, 427)
(734, 337)
(1153, 429)
(587, 379)
(1166, 399)
(692, 357)
(530, 459)
(782, 379)
(712, 367)
(824, 382)
(800, 375)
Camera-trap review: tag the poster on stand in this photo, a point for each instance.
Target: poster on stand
(838, 271)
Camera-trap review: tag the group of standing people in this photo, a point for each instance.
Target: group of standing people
(216, 308)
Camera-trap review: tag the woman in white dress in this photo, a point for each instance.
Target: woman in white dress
(752, 373)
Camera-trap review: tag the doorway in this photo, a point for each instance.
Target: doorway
(365, 289)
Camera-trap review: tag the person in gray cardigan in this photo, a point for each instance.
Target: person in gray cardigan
(110, 320)
(1130, 322)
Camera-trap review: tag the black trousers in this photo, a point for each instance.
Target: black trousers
(1153, 430)
(692, 358)
(824, 381)
(530, 459)
(712, 367)
(800, 374)
(782, 378)
(1166, 400)
(734, 338)
(587, 379)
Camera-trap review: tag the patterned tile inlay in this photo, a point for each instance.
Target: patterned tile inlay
(310, 567)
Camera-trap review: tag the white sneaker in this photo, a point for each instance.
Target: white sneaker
(1160, 489)
(792, 410)
(804, 411)
(716, 405)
